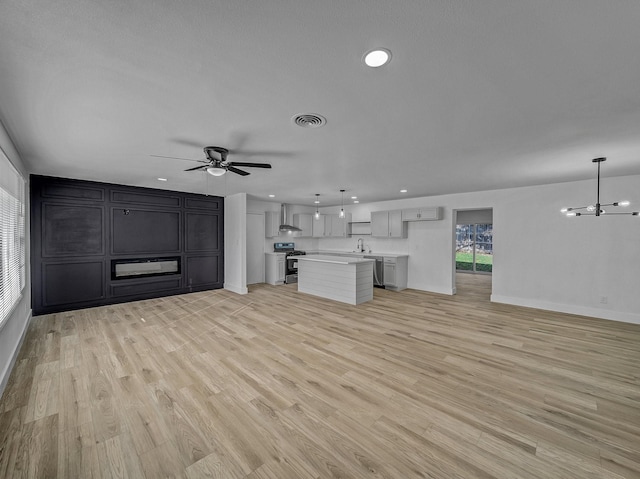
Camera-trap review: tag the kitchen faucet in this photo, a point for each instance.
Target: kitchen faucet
(360, 246)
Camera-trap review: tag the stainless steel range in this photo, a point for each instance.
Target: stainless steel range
(291, 260)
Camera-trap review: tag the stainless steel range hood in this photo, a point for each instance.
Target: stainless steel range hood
(284, 224)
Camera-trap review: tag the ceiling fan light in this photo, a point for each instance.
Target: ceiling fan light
(622, 203)
(212, 170)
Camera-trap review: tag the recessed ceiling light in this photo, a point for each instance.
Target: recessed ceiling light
(377, 58)
(354, 197)
(162, 179)
(356, 201)
(272, 196)
(316, 202)
(403, 191)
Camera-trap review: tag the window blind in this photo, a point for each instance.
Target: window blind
(12, 237)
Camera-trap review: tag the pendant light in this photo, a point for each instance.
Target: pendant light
(596, 210)
(317, 202)
(342, 204)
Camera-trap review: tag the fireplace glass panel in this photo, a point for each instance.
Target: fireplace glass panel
(144, 267)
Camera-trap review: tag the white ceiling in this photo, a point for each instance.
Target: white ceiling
(479, 94)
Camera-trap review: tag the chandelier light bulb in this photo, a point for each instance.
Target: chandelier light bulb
(622, 203)
(591, 208)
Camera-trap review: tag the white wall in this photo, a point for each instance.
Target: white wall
(541, 258)
(574, 262)
(14, 328)
(235, 243)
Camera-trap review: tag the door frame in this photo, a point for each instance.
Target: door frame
(454, 214)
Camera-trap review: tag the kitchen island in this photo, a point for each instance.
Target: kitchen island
(341, 278)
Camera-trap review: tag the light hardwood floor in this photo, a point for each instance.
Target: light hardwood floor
(277, 384)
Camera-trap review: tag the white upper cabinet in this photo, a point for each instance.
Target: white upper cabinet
(304, 221)
(317, 227)
(387, 224)
(422, 214)
(271, 224)
(335, 226)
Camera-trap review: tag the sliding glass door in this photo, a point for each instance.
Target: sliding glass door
(474, 248)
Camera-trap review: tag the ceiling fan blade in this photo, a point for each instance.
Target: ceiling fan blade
(238, 139)
(201, 167)
(269, 153)
(187, 142)
(174, 158)
(251, 165)
(236, 170)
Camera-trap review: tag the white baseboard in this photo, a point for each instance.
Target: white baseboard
(432, 289)
(9, 367)
(568, 308)
(236, 289)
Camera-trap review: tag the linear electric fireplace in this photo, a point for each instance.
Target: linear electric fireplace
(144, 267)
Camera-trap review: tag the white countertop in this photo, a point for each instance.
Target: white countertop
(325, 258)
(356, 254)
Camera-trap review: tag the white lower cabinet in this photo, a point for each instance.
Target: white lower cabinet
(395, 273)
(389, 275)
(275, 267)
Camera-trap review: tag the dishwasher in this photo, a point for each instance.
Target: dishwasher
(378, 271)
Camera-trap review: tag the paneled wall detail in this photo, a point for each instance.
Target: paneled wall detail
(79, 227)
(73, 282)
(201, 230)
(145, 231)
(70, 230)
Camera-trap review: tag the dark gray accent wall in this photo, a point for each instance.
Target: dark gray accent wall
(79, 227)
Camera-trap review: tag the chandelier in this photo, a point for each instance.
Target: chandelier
(597, 208)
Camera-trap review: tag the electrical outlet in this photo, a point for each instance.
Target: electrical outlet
(604, 300)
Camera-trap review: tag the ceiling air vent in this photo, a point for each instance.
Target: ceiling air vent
(309, 120)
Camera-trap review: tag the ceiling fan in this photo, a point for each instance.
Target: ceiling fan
(216, 163)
